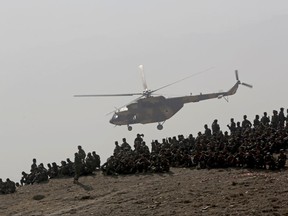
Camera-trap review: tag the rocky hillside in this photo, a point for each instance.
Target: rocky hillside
(180, 192)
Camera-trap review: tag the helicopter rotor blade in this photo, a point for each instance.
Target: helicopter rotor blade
(141, 67)
(109, 95)
(247, 85)
(181, 80)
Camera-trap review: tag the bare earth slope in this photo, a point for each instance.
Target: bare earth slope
(180, 192)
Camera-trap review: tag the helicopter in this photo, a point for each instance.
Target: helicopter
(148, 108)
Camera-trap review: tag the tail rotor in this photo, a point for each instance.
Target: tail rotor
(242, 83)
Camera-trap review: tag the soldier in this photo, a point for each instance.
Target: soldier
(70, 166)
(24, 179)
(281, 117)
(215, 127)
(265, 120)
(287, 117)
(125, 146)
(33, 166)
(9, 186)
(207, 131)
(64, 169)
(78, 167)
(41, 175)
(81, 153)
(238, 128)
(256, 121)
(246, 123)
(90, 164)
(270, 161)
(281, 159)
(232, 126)
(139, 138)
(96, 159)
(117, 148)
(275, 119)
(55, 170)
(1, 186)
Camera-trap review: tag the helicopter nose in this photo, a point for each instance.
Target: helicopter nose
(111, 121)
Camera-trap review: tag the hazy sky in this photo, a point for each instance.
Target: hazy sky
(51, 50)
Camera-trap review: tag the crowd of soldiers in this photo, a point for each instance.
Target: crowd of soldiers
(84, 166)
(260, 145)
(126, 160)
(7, 187)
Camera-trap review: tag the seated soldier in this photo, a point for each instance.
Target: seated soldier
(281, 161)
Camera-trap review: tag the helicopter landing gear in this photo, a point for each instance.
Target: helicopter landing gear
(160, 126)
(129, 128)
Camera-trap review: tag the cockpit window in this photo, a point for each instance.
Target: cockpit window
(115, 116)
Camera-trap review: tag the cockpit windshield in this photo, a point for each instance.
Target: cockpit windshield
(122, 109)
(115, 116)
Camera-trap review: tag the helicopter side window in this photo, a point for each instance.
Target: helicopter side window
(115, 116)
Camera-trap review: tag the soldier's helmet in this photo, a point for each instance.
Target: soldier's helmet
(79, 146)
(282, 109)
(245, 116)
(232, 119)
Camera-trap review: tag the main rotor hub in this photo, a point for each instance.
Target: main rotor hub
(147, 93)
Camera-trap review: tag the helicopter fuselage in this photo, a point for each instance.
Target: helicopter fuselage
(147, 110)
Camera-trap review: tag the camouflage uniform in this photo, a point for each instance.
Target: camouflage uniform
(81, 153)
(78, 166)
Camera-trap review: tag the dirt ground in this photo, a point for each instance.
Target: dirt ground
(180, 192)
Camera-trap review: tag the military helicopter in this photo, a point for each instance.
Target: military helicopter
(148, 108)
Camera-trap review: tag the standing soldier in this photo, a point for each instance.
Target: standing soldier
(232, 126)
(125, 146)
(275, 119)
(281, 117)
(207, 131)
(34, 166)
(265, 120)
(256, 121)
(117, 148)
(77, 167)
(246, 123)
(215, 127)
(81, 153)
(238, 128)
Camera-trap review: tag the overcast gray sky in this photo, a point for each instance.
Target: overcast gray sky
(51, 50)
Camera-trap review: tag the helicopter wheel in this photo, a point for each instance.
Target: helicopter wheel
(129, 128)
(159, 127)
